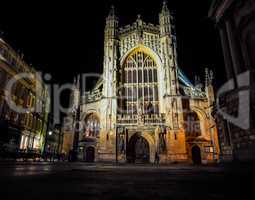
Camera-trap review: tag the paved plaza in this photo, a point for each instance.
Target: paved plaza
(106, 181)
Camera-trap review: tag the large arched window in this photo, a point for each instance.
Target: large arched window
(139, 84)
(92, 126)
(192, 125)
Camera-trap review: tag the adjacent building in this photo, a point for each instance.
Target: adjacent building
(143, 105)
(235, 20)
(21, 130)
(54, 137)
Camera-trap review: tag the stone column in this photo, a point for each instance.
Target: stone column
(157, 132)
(233, 47)
(226, 53)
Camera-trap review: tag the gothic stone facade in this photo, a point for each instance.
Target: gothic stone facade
(143, 105)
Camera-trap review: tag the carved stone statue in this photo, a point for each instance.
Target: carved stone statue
(140, 113)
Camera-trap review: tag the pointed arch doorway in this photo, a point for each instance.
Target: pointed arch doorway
(138, 150)
(90, 154)
(196, 155)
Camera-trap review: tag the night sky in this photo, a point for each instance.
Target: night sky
(66, 38)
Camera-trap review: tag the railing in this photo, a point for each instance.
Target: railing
(28, 154)
(147, 119)
(92, 96)
(194, 92)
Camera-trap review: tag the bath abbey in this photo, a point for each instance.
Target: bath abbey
(143, 108)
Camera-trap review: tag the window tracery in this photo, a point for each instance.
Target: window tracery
(140, 84)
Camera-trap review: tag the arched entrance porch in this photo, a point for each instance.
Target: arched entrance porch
(138, 150)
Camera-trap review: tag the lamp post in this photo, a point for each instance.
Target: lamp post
(74, 154)
(60, 143)
(46, 135)
(76, 135)
(117, 135)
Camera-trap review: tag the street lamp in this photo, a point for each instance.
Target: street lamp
(50, 133)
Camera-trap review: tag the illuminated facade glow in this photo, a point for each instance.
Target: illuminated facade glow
(144, 105)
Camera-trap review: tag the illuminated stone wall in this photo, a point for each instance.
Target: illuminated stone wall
(163, 129)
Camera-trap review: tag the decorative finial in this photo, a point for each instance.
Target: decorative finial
(112, 11)
(206, 77)
(1, 35)
(139, 20)
(209, 76)
(164, 7)
(74, 80)
(78, 81)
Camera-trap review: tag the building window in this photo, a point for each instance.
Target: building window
(92, 126)
(140, 82)
(36, 143)
(192, 124)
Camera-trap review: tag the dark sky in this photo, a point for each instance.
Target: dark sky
(66, 38)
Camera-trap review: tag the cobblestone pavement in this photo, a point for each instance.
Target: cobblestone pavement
(106, 181)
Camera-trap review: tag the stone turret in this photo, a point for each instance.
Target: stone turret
(108, 105)
(110, 68)
(209, 86)
(169, 59)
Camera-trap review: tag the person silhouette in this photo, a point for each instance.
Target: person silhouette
(156, 158)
